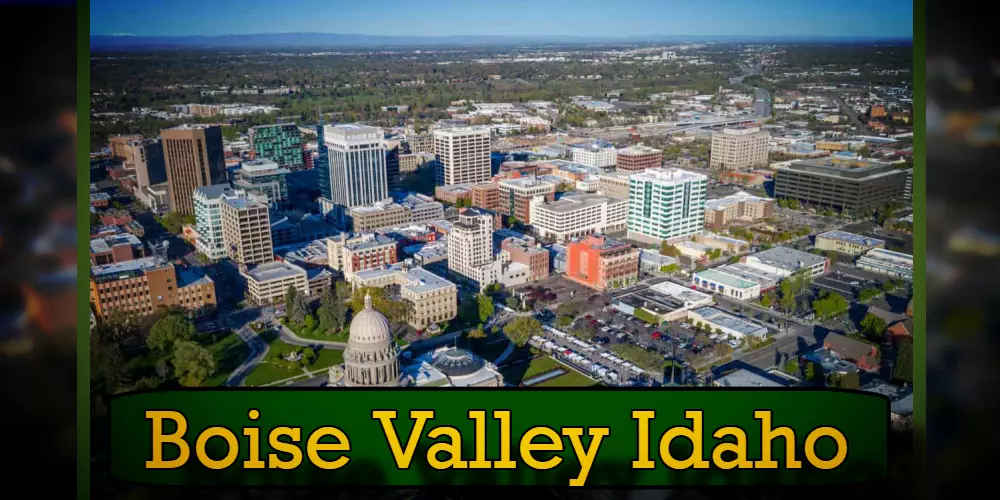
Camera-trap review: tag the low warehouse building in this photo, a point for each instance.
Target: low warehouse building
(722, 322)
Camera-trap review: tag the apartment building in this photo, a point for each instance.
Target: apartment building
(246, 230)
(666, 204)
(463, 155)
(739, 148)
(194, 158)
(855, 187)
(486, 196)
(381, 215)
(525, 252)
(208, 220)
(738, 207)
(516, 196)
(638, 158)
(142, 287)
(434, 298)
(575, 216)
(602, 263)
(280, 143)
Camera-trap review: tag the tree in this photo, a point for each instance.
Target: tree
(310, 322)
(118, 205)
(332, 312)
(477, 333)
(564, 321)
(903, 369)
(485, 304)
(343, 290)
(722, 350)
(765, 300)
(116, 327)
(168, 331)
(672, 268)
(868, 294)
(873, 326)
(847, 380)
(296, 305)
(521, 329)
(787, 300)
(108, 364)
(512, 303)
(396, 311)
(792, 367)
(668, 250)
(192, 363)
(511, 220)
(810, 371)
(309, 356)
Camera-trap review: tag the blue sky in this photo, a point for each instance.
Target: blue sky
(840, 18)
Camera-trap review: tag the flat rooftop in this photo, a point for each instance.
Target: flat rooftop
(680, 292)
(730, 280)
(788, 258)
(668, 175)
(572, 203)
(128, 266)
(274, 271)
(851, 238)
(104, 244)
(416, 279)
(829, 168)
(747, 378)
(726, 320)
(738, 197)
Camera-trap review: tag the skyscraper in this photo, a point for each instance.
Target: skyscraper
(280, 143)
(246, 230)
(470, 246)
(322, 163)
(147, 155)
(666, 204)
(463, 154)
(392, 164)
(739, 148)
(357, 172)
(194, 158)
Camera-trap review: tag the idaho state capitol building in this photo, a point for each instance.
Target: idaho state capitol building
(372, 359)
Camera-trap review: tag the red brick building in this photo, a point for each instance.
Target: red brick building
(638, 158)
(600, 262)
(525, 252)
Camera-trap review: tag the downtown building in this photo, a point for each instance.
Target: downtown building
(208, 220)
(597, 154)
(738, 207)
(150, 173)
(266, 177)
(856, 187)
(268, 283)
(280, 143)
(470, 247)
(246, 231)
(463, 155)
(434, 298)
(739, 148)
(524, 251)
(575, 216)
(638, 158)
(517, 195)
(143, 287)
(666, 204)
(356, 173)
(602, 263)
(194, 158)
(352, 254)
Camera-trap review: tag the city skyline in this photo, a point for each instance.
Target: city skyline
(628, 20)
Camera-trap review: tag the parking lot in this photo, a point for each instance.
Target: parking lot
(848, 281)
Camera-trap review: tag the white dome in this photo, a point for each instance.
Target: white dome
(370, 326)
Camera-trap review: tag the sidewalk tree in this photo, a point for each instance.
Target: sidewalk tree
(485, 307)
(192, 363)
(521, 329)
(168, 331)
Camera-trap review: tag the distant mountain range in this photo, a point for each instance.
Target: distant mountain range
(347, 41)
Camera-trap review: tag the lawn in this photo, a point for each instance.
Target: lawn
(327, 358)
(540, 365)
(305, 333)
(229, 352)
(266, 372)
(570, 379)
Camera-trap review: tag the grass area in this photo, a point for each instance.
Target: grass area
(540, 365)
(267, 372)
(327, 358)
(316, 334)
(570, 379)
(229, 352)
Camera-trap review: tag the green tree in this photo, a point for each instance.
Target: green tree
(107, 364)
(485, 305)
(118, 205)
(902, 370)
(511, 221)
(332, 312)
(847, 380)
(868, 294)
(668, 249)
(192, 363)
(521, 329)
(343, 290)
(310, 322)
(512, 303)
(477, 333)
(309, 356)
(672, 268)
(296, 305)
(787, 299)
(564, 321)
(116, 327)
(792, 367)
(810, 371)
(765, 300)
(168, 331)
(396, 311)
(873, 326)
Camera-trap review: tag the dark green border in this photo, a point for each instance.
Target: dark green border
(919, 203)
(83, 253)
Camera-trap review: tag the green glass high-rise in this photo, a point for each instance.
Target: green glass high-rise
(280, 143)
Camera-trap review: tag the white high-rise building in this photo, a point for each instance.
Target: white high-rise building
(739, 148)
(463, 155)
(208, 219)
(666, 204)
(470, 247)
(357, 165)
(598, 154)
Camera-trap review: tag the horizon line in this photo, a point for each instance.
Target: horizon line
(135, 35)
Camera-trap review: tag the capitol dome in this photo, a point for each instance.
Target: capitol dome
(370, 326)
(455, 362)
(372, 356)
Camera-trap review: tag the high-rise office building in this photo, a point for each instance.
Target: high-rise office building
(666, 204)
(470, 245)
(266, 177)
(147, 156)
(246, 231)
(280, 143)
(194, 158)
(322, 162)
(739, 148)
(638, 158)
(855, 187)
(357, 172)
(143, 287)
(463, 155)
(516, 196)
(392, 163)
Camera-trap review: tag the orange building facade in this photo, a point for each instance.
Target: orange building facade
(602, 263)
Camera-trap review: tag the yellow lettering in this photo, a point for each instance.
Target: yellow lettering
(767, 435)
(693, 434)
(505, 462)
(527, 447)
(480, 462)
(585, 456)
(253, 434)
(453, 447)
(273, 461)
(739, 448)
(386, 417)
(231, 443)
(314, 447)
(159, 439)
(830, 432)
(643, 416)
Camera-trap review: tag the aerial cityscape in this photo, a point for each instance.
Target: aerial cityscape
(284, 211)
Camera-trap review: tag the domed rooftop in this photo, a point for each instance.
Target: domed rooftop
(370, 326)
(455, 362)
